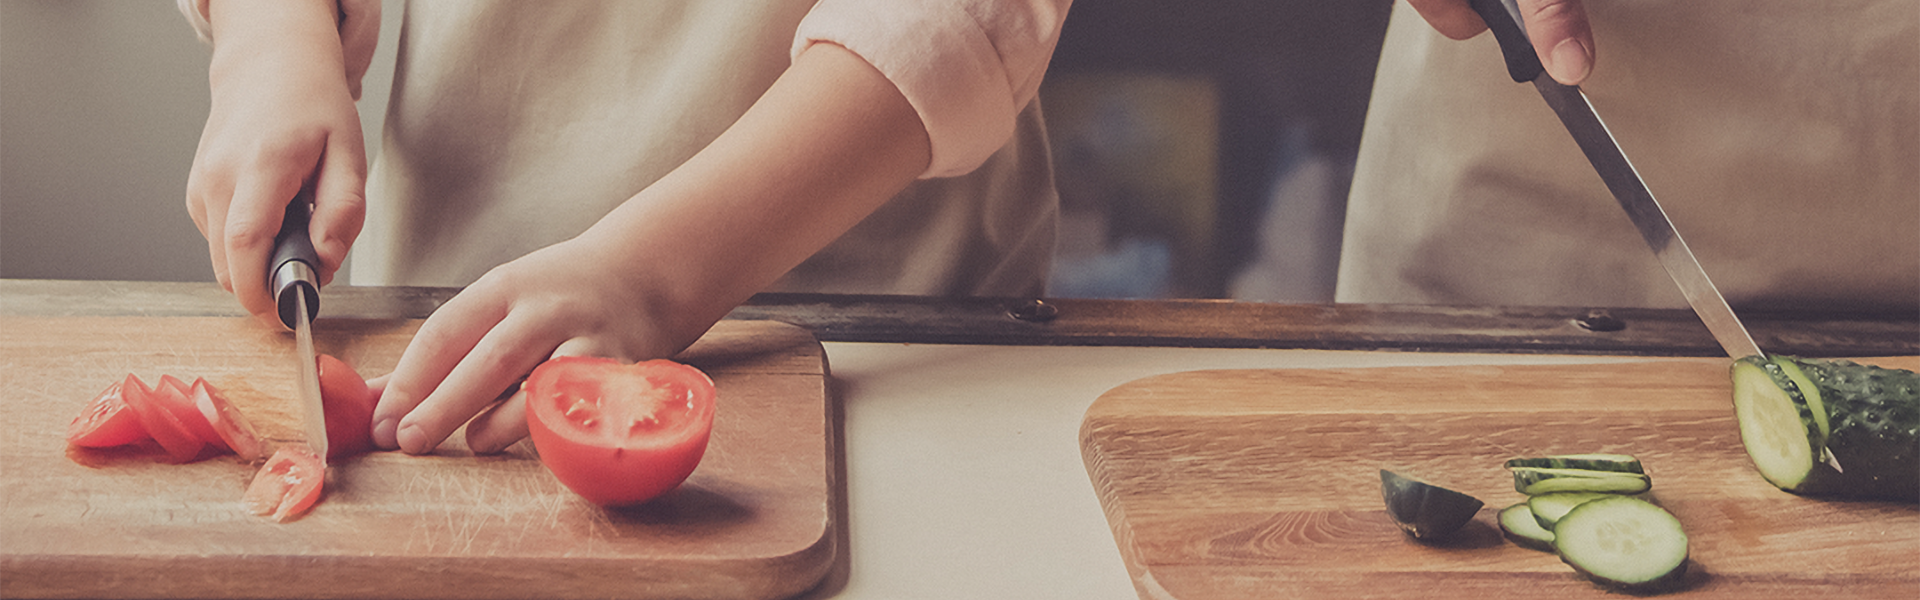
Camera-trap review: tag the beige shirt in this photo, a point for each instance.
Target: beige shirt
(1782, 137)
(515, 125)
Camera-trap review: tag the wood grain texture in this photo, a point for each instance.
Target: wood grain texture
(754, 521)
(1265, 484)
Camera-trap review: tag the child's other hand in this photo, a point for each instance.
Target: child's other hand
(569, 299)
(281, 114)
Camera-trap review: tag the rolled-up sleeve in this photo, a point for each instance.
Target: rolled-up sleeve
(968, 67)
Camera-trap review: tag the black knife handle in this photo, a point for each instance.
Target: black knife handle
(295, 266)
(1503, 19)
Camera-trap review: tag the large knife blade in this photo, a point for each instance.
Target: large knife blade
(1591, 134)
(296, 290)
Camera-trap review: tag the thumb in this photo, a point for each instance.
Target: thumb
(339, 201)
(1561, 36)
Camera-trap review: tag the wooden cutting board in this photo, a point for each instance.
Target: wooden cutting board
(754, 521)
(1265, 483)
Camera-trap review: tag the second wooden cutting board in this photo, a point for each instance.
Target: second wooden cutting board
(755, 520)
(1265, 484)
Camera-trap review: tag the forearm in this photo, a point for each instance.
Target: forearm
(830, 142)
(299, 35)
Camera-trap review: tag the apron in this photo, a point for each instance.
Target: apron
(516, 125)
(1781, 137)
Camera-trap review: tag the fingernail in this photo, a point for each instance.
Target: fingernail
(384, 433)
(1571, 62)
(412, 440)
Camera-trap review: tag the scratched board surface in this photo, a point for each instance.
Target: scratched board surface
(1265, 483)
(754, 520)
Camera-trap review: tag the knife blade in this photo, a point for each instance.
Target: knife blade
(296, 291)
(1598, 144)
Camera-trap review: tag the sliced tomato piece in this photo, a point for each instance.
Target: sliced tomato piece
(349, 408)
(232, 428)
(619, 433)
(106, 421)
(177, 397)
(180, 443)
(287, 485)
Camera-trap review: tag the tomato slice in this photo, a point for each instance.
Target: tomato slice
(615, 433)
(287, 485)
(180, 443)
(177, 397)
(349, 407)
(232, 428)
(106, 421)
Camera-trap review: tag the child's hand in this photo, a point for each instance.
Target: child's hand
(282, 114)
(569, 299)
(1558, 29)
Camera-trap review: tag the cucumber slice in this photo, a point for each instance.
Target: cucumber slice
(1532, 481)
(1809, 393)
(1779, 431)
(1616, 463)
(1425, 511)
(1549, 508)
(1623, 542)
(1518, 524)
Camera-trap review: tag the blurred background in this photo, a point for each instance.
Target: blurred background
(1203, 149)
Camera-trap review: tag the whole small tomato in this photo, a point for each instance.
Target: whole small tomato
(617, 433)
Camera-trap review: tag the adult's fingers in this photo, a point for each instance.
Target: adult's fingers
(1452, 18)
(502, 357)
(1561, 36)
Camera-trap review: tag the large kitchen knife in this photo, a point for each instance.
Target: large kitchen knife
(1503, 19)
(295, 283)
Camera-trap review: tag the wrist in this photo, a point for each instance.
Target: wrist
(277, 37)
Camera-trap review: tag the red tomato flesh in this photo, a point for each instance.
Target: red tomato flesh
(617, 433)
(177, 397)
(287, 485)
(159, 421)
(349, 407)
(233, 429)
(106, 421)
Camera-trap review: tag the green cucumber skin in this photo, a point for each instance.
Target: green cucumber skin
(1425, 511)
(1534, 481)
(1614, 463)
(1873, 430)
(1519, 525)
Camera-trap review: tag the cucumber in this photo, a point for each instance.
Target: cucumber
(1623, 542)
(1425, 511)
(1532, 481)
(1616, 463)
(1517, 523)
(1549, 508)
(1830, 428)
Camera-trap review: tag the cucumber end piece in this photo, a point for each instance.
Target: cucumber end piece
(1425, 511)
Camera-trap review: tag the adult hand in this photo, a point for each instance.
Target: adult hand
(282, 116)
(1558, 28)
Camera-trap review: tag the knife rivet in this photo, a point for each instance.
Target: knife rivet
(1600, 321)
(1034, 311)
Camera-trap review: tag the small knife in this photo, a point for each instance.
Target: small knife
(295, 284)
(1503, 19)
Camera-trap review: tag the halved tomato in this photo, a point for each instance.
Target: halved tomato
(619, 433)
(106, 421)
(232, 429)
(180, 443)
(287, 485)
(349, 407)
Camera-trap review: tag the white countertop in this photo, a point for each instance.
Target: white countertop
(964, 477)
